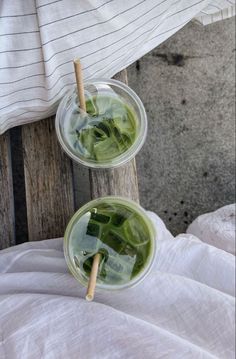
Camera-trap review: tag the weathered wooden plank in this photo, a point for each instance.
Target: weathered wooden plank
(81, 185)
(48, 181)
(122, 76)
(120, 181)
(7, 230)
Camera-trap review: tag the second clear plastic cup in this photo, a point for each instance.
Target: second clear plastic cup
(118, 229)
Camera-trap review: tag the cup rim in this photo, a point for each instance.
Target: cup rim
(152, 231)
(134, 148)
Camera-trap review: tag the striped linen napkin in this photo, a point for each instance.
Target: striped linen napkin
(40, 38)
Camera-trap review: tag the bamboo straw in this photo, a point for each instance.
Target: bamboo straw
(93, 277)
(80, 83)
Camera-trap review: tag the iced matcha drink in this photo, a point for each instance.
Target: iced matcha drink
(110, 132)
(118, 229)
(107, 130)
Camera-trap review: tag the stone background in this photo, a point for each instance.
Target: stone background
(187, 85)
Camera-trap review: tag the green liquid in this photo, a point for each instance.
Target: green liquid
(108, 130)
(119, 234)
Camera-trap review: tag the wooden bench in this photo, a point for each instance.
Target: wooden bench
(51, 183)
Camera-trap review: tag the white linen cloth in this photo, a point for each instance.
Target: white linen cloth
(40, 38)
(183, 309)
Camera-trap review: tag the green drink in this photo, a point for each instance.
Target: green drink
(121, 232)
(110, 132)
(107, 130)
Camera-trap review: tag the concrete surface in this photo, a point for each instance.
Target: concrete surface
(187, 85)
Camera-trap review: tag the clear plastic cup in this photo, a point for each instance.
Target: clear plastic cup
(126, 236)
(127, 133)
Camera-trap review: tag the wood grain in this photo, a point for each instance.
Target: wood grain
(120, 181)
(7, 223)
(48, 181)
(122, 76)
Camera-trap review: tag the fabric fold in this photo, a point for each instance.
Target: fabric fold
(183, 309)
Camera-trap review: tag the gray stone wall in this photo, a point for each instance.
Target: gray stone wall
(187, 85)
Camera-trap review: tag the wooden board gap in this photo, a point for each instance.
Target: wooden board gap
(21, 228)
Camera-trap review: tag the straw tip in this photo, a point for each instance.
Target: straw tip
(76, 60)
(89, 297)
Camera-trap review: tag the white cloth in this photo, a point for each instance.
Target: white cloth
(216, 228)
(40, 38)
(183, 309)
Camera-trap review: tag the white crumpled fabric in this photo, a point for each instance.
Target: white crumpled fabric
(184, 309)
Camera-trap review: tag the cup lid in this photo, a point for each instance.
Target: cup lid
(121, 231)
(112, 130)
